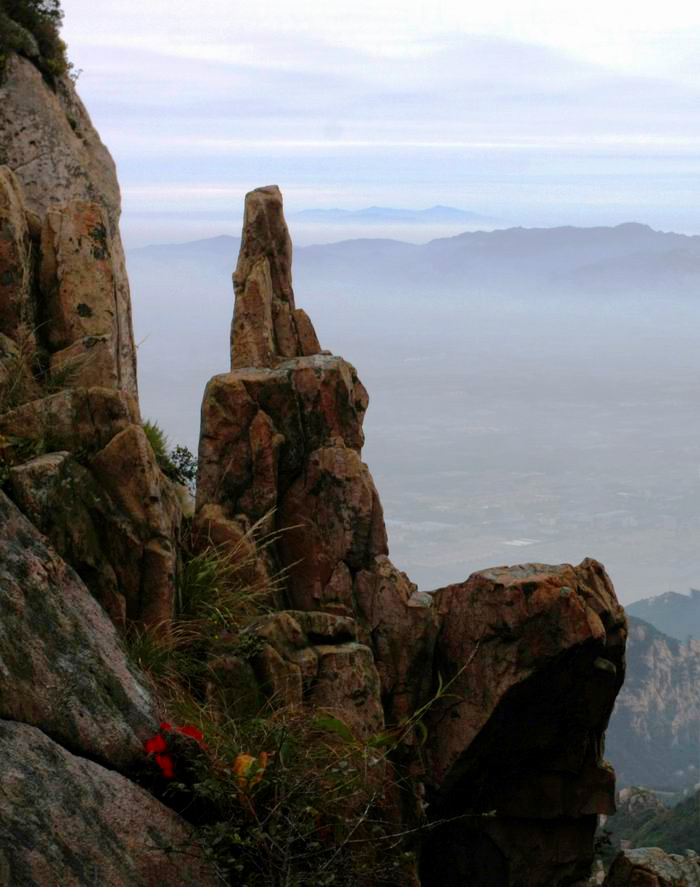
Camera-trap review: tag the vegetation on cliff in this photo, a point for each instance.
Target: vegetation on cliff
(278, 794)
(31, 28)
(674, 829)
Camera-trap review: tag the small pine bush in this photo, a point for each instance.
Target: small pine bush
(31, 28)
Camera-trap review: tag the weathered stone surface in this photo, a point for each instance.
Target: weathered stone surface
(127, 470)
(536, 658)
(332, 517)
(259, 425)
(63, 500)
(16, 298)
(313, 659)
(114, 542)
(115, 522)
(75, 419)
(652, 867)
(402, 628)
(67, 821)
(62, 665)
(85, 305)
(266, 326)
(48, 141)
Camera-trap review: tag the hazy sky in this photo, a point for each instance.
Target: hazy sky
(537, 113)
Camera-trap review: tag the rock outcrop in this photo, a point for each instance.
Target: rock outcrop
(534, 655)
(67, 355)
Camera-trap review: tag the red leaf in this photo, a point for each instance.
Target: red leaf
(165, 726)
(156, 744)
(166, 765)
(192, 731)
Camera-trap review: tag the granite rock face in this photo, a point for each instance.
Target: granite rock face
(513, 759)
(65, 820)
(63, 668)
(50, 144)
(67, 355)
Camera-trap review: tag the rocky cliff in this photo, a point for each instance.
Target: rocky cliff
(655, 728)
(67, 356)
(88, 523)
(449, 738)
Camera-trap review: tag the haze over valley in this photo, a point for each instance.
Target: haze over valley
(533, 391)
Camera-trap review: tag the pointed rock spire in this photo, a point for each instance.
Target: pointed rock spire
(266, 325)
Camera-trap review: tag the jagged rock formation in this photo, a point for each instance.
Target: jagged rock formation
(654, 730)
(652, 867)
(513, 760)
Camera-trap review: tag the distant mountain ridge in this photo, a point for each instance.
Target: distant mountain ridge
(381, 215)
(677, 615)
(654, 733)
(628, 259)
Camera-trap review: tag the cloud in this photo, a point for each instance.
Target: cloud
(215, 104)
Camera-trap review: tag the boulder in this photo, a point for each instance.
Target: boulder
(534, 657)
(81, 420)
(653, 867)
(63, 667)
(307, 659)
(68, 821)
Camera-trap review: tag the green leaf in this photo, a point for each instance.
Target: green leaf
(421, 732)
(331, 724)
(381, 740)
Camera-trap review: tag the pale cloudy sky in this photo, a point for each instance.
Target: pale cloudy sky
(532, 112)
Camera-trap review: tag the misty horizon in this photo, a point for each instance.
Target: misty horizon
(524, 405)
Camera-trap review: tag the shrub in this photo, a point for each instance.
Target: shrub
(178, 464)
(31, 28)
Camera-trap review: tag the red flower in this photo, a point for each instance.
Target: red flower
(192, 731)
(166, 765)
(165, 726)
(156, 744)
